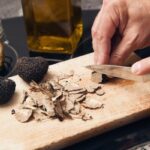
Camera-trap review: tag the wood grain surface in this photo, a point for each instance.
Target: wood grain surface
(124, 102)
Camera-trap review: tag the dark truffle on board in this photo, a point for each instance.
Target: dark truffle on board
(31, 68)
(7, 89)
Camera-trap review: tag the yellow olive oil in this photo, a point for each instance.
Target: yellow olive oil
(53, 26)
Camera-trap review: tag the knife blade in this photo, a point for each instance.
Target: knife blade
(119, 72)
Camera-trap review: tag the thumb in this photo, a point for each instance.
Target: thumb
(141, 67)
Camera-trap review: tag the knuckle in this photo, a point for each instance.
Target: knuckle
(116, 57)
(117, 3)
(100, 37)
(97, 34)
(93, 30)
(134, 40)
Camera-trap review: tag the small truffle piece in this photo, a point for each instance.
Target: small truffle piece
(86, 117)
(92, 88)
(83, 91)
(7, 89)
(23, 115)
(55, 85)
(59, 111)
(39, 98)
(100, 92)
(76, 110)
(58, 95)
(29, 102)
(72, 87)
(66, 76)
(47, 86)
(95, 77)
(49, 106)
(69, 106)
(99, 78)
(39, 115)
(75, 97)
(77, 78)
(31, 68)
(92, 103)
(80, 99)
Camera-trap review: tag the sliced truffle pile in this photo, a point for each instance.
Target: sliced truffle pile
(31, 69)
(7, 89)
(61, 99)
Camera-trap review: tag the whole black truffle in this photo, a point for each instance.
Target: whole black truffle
(31, 68)
(7, 89)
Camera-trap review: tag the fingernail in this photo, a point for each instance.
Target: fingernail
(136, 68)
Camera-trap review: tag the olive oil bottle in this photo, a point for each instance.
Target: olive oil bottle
(53, 26)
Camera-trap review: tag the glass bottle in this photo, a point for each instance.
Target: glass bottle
(53, 26)
(8, 55)
(1, 48)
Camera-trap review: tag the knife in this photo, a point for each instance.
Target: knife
(119, 72)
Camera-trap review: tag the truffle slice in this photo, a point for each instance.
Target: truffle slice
(86, 117)
(66, 76)
(83, 91)
(31, 68)
(92, 103)
(7, 89)
(23, 115)
(77, 109)
(39, 115)
(100, 92)
(69, 106)
(72, 87)
(92, 88)
(99, 78)
(75, 97)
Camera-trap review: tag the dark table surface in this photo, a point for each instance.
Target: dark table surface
(118, 139)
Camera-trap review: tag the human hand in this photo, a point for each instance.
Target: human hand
(128, 21)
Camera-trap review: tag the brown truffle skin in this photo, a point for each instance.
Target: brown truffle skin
(31, 68)
(7, 89)
(105, 78)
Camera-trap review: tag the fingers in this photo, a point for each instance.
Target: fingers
(96, 21)
(125, 47)
(102, 50)
(102, 32)
(98, 17)
(122, 51)
(141, 67)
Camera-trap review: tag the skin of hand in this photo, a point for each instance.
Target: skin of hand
(121, 27)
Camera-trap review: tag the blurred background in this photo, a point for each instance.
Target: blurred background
(12, 8)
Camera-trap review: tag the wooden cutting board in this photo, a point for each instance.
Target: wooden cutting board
(124, 102)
